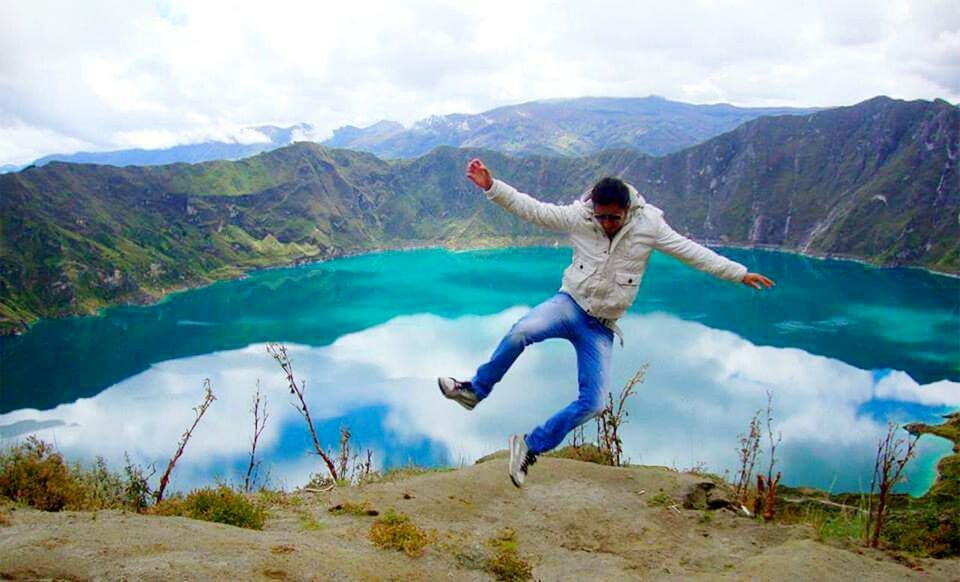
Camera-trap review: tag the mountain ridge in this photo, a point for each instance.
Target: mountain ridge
(569, 127)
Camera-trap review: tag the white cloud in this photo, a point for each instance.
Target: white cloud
(900, 386)
(701, 390)
(106, 74)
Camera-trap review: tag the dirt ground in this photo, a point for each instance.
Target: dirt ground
(573, 521)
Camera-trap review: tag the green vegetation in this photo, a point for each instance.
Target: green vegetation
(34, 474)
(920, 526)
(917, 526)
(946, 490)
(395, 531)
(507, 563)
(219, 504)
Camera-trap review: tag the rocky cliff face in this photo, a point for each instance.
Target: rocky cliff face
(877, 181)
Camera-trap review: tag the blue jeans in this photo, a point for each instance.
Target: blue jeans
(559, 317)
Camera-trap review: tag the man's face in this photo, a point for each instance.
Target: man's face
(610, 217)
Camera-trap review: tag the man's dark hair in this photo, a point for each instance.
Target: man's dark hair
(611, 191)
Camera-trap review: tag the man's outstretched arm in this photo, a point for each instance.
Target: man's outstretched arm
(550, 216)
(700, 257)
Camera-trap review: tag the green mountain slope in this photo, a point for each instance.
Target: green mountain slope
(877, 181)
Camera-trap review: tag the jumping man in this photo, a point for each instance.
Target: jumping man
(613, 231)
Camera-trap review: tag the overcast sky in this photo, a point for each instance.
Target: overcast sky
(98, 75)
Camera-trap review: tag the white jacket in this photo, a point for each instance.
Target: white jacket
(605, 274)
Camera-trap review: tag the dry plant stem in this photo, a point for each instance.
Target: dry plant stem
(577, 438)
(760, 496)
(279, 353)
(769, 501)
(259, 422)
(208, 399)
(749, 452)
(767, 489)
(612, 417)
(368, 465)
(773, 445)
(888, 467)
(764, 502)
(343, 458)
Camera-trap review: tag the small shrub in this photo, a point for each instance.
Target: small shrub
(137, 491)
(33, 473)
(507, 563)
(395, 531)
(829, 524)
(588, 453)
(929, 531)
(219, 504)
(98, 487)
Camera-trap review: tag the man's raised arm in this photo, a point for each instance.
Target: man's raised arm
(549, 216)
(700, 257)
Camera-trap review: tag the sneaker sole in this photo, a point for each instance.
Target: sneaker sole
(517, 484)
(460, 402)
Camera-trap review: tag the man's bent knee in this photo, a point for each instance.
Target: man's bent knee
(590, 408)
(521, 335)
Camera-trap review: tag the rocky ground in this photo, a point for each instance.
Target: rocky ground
(572, 521)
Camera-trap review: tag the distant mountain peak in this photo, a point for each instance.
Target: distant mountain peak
(565, 127)
(277, 136)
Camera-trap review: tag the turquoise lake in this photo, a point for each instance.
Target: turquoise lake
(841, 346)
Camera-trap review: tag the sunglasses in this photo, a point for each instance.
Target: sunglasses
(608, 217)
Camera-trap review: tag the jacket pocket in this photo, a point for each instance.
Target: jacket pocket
(576, 274)
(628, 279)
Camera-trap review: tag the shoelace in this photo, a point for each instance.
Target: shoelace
(530, 459)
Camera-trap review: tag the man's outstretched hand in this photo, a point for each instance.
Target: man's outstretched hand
(479, 174)
(756, 280)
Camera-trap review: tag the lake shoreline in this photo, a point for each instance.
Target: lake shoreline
(542, 242)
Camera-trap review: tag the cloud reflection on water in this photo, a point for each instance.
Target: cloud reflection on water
(702, 387)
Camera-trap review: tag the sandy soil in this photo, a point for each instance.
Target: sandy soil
(573, 521)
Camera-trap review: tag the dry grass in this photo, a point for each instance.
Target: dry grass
(361, 509)
(395, 531)
(507, 564)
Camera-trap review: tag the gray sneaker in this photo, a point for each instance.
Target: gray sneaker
(520, 459)
(460, 392)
